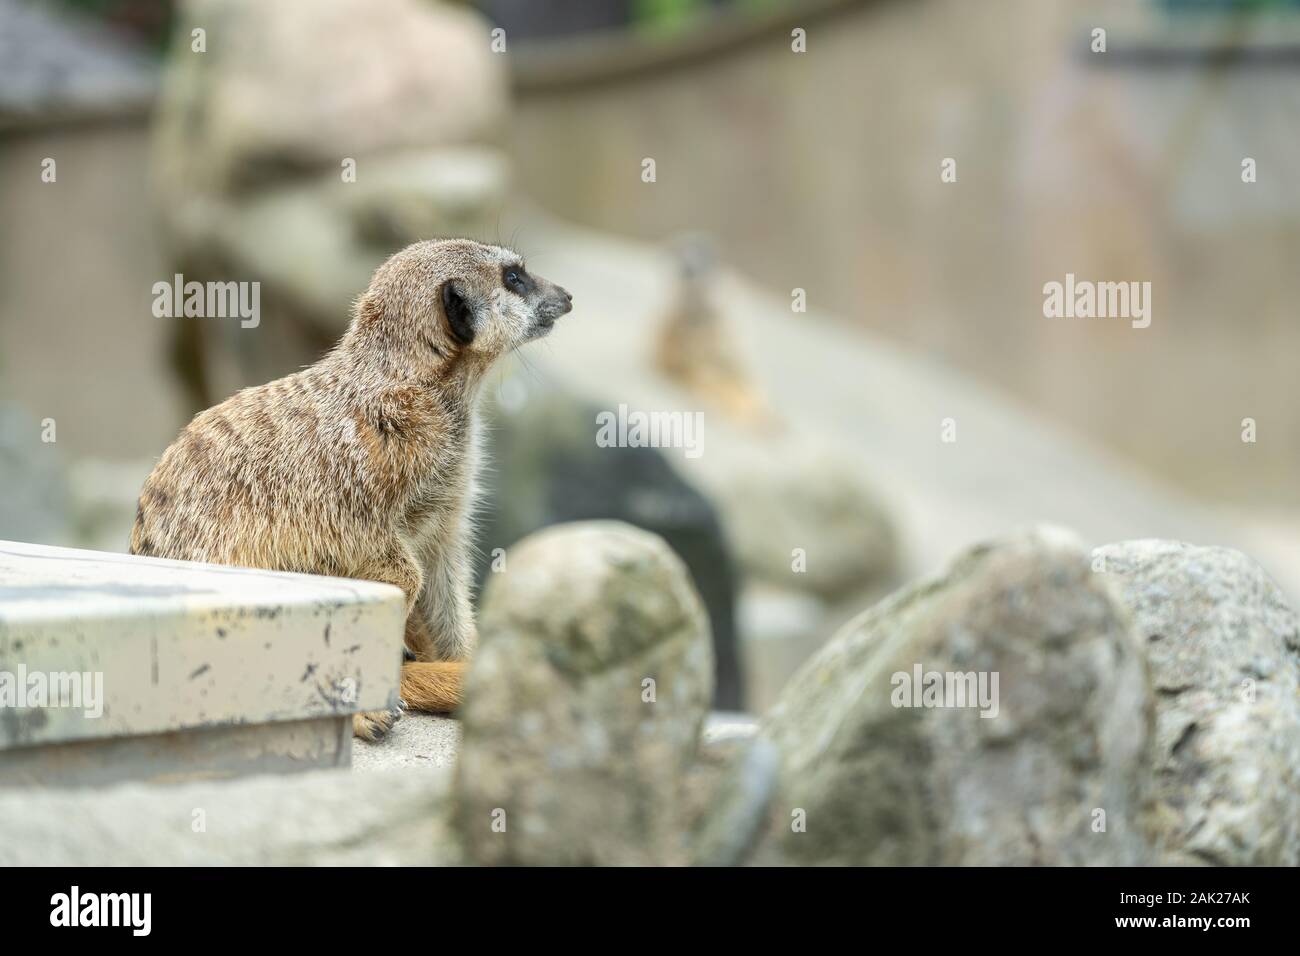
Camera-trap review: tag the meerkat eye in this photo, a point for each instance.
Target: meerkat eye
(514, 278)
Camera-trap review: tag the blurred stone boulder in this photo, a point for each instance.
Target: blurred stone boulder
(544, 468)
(585, 704)
(310, 141)
(103, 501)
(1224, 653)
(424, 194)
(813, 540)
(34, 496)
(874, 768)
(298, 85)
(730, 789)
(799, 514)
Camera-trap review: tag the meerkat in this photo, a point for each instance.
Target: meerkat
(695, 346)
(363, 465)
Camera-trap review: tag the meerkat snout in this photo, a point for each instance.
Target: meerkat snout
(549, 301)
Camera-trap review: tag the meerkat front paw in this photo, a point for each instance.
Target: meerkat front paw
(374, 725)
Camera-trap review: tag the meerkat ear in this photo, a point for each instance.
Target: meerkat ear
(460, 317)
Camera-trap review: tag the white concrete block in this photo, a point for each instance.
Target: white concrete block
(128, 646)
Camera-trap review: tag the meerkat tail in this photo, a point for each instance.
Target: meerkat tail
(436, 686)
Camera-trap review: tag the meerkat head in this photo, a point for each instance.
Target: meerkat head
(439, 303)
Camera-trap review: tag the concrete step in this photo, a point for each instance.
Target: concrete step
(115, 667)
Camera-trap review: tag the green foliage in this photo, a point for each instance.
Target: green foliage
(666, 16)
(671, 16)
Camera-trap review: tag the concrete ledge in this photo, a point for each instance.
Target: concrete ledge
(112, 648)
(324, 818)
(416, 742)
(421, 741)
(207, 753)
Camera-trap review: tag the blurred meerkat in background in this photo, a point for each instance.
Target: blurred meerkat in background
(696, 348)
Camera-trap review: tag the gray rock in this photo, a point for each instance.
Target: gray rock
(779, 495)
(875, 783)
(300, 85)
(453, 191)
(564, 760)
(547, 469)
(326, 818)
(35, 501)
(724, 727)
(104, 495)
(730, 792)
(781, 628)
(1224, 654)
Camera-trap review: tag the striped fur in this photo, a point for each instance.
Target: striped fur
(363, 465)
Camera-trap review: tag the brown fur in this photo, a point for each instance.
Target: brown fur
(363, 464)
(696, 348)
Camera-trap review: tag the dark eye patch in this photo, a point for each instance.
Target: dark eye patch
(516, 279)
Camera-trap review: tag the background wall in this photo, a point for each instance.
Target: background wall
(1127, 168)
